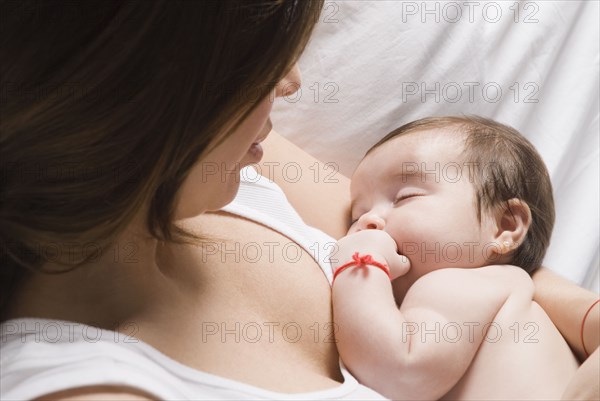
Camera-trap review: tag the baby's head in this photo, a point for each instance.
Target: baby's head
(456, 192)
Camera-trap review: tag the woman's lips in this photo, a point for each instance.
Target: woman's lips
(256, 152)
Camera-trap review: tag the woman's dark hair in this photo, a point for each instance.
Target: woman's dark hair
(505, 166)
(106, 106)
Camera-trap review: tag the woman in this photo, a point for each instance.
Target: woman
(120, 119)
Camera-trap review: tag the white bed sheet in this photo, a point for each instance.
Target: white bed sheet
(372, 66)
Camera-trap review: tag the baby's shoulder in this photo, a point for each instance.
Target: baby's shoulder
(470, 295)
(489, 281)
(513, 278)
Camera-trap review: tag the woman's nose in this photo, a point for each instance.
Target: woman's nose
(370, 221)
(290, 83)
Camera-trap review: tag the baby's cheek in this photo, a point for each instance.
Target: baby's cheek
(407, 236)
(424, 246)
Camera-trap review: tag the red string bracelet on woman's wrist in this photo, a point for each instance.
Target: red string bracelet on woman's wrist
(583, 324)
(361, 261)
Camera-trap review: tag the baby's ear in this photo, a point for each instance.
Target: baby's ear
(513, 219)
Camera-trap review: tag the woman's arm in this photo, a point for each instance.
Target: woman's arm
(567, 304)
(585, 385)
(320, 194)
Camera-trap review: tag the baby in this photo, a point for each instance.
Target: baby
(444, 208)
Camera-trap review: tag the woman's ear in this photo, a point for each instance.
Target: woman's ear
(512, 221)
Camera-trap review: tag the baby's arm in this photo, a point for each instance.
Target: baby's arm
(384, 347)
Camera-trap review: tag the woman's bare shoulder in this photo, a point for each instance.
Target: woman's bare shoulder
(319, 192)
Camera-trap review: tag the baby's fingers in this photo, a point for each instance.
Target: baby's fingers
(399, 265)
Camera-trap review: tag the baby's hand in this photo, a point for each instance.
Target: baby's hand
(376, 243)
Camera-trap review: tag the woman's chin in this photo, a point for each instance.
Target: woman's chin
(226, 197)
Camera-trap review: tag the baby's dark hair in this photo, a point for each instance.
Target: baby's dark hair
(505, 165)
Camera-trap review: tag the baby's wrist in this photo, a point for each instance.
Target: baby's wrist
(362, 261)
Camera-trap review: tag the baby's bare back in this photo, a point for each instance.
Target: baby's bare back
(522, 355)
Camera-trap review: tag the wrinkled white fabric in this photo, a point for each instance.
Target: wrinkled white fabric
(372, 66)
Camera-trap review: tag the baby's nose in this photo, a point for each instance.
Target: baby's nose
(371, 221)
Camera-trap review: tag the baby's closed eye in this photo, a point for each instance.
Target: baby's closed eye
(406, 195)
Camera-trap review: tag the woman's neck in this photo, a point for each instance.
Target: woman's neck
(114, 287)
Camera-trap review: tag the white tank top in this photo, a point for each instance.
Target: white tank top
(41, 356)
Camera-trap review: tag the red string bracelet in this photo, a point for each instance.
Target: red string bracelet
(583, 324)
(362, 261)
